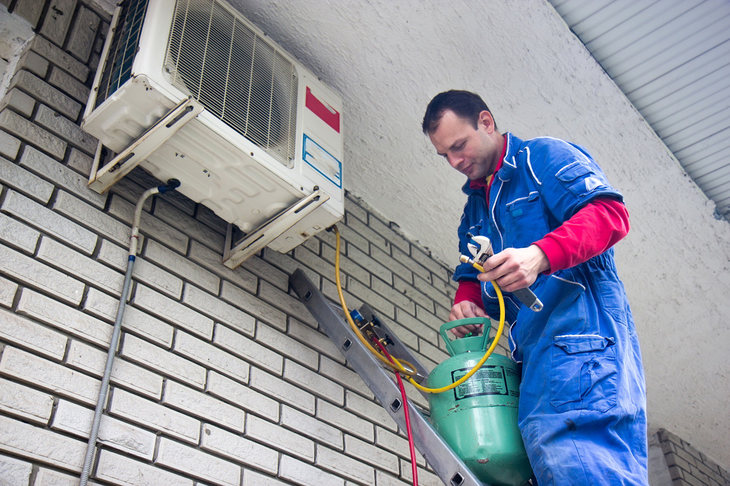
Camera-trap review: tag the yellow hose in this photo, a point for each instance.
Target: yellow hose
(397, 364)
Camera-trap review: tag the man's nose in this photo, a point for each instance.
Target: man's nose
(454, 160)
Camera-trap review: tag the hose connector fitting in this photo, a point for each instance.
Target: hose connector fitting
(171, 185)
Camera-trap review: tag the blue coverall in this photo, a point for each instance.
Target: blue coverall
(582, 409)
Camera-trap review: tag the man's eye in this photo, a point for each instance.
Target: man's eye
(458, 147)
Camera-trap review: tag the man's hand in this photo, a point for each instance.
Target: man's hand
(515, 268)
(464, 310)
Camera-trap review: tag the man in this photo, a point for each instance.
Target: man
(552, 218)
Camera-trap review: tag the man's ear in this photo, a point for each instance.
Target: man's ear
(485, 120)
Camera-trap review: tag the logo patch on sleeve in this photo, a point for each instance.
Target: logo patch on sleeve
(592, 183)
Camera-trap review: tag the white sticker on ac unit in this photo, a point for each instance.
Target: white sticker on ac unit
(322, 161)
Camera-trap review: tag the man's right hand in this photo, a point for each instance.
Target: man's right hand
(464, 310)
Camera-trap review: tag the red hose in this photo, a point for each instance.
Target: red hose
(411, 446)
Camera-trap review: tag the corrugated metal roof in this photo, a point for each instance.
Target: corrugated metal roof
(672, 60)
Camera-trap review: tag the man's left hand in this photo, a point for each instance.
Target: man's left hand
(515, 268)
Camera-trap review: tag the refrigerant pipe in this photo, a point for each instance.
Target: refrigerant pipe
(172, 184)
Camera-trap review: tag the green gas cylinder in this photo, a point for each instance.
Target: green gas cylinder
(478, 418)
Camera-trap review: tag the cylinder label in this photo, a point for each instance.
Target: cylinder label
(488, 380)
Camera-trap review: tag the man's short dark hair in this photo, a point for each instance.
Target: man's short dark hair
(465, 104)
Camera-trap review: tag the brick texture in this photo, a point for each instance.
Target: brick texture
(239, 449)
(14, 471)
(114, 433)
(15, 176)
(688, 466)
(222, 376)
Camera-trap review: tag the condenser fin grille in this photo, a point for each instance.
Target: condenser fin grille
(124, 47)
(214, 56)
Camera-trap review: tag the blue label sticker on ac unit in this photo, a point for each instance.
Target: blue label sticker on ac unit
(322, 161)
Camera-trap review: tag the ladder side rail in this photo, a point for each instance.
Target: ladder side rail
(447, 465)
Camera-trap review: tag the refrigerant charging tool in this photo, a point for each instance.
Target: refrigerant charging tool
(481, 249)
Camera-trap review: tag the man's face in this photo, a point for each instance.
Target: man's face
(471, 151)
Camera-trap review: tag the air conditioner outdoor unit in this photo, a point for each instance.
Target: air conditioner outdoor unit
(191, 90)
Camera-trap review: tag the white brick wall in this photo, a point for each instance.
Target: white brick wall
(36, 274)
(42, 445)
(372, 454)
(203, 406)
(311, 427)
(18, 125)
(222, 376)
(136, 320)
(239, 449)
(144, 271)
(7, 291)
(253, 478)
(344, 420)
(61, 175)
(155, 415)
(162, 360)
(57, 314)
(281, 390)
(219, 310)
(181, 266)
(257, 307)
(238, 344)
(173, 311)
(25, 332)
(17, 234)
(369, 409)
(351, 468)
(123, 470)
(280, 438)
(49, 222)
(299, 472)
(194, 461)
(48, 375)
(243, 396)
(74, 263)
(49, 477)
(211, 357)
(210, 259)
(127, 438)
(321, 385)
(290, 347)
(15, 176)
(92, 360)
(25, 402)
(13, 471)
(150, 226)
(89, 216)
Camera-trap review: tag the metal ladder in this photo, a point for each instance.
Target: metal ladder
(447, 465)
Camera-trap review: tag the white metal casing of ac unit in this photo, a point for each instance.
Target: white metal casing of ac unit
(243, 182)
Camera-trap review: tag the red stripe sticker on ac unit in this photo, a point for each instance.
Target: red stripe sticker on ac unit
(324, 111)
